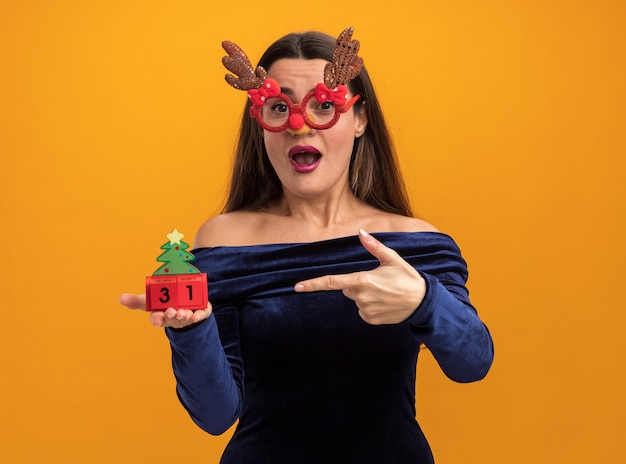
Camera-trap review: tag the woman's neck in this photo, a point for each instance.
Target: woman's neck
(321, 212)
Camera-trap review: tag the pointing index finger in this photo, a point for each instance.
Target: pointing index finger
(377, 249)
(326, 283)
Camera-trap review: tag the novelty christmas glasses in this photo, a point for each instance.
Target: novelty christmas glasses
(319, 109)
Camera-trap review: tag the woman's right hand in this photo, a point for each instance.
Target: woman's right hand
(175, 318)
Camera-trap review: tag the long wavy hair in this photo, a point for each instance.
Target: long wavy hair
(374, 173)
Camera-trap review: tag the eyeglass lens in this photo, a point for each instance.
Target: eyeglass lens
(276, 111)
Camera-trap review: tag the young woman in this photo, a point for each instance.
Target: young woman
(323, 286)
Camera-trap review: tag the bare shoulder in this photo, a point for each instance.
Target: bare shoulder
(244, 228)
(411, 224)
(227, 229)
(387, 222)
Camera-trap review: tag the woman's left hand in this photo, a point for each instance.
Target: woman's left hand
(388, 294)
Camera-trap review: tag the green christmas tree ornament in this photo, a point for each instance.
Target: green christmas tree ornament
(175, 257)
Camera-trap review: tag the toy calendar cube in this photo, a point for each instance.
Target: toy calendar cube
(188, 291)
(176, 284)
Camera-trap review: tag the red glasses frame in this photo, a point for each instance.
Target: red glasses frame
(298, 117)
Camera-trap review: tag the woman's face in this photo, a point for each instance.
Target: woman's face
(311, 162)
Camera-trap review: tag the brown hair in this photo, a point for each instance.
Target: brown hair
(375, 176)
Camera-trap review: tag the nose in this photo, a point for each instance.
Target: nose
(304, 130)
(297, 126)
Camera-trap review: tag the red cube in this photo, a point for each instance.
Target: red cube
(180, 291)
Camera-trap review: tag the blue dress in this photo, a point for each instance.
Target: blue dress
(308, 380)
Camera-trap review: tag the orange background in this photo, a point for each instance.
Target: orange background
(116, 126)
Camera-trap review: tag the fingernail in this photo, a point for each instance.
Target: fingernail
(299, 287)
(365, 235)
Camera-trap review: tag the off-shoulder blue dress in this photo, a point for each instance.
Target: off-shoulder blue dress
(308, 380)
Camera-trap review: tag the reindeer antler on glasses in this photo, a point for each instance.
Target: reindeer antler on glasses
(238, 63)
(346, 63)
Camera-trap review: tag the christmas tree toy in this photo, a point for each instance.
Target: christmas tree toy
(176, 284)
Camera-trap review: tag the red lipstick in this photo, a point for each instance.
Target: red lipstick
(304, 158)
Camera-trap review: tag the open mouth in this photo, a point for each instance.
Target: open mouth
(304, 158)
